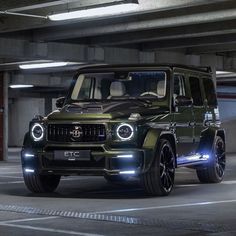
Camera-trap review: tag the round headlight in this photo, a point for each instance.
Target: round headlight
(37, 132)
(125, 131)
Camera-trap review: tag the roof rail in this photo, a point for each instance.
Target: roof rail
(206, 68)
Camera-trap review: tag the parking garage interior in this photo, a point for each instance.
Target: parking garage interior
(193, 33)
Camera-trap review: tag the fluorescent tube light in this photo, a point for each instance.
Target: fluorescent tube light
(42, 65)
(223, 72)
(95, 12)
(17, 86)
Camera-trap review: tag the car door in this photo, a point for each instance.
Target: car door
(198, 107)
(211, 107)
(183, 118)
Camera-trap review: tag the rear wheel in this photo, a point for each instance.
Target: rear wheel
(37, 183)
(214, 171)
(159, 179)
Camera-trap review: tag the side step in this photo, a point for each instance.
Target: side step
(191, 160)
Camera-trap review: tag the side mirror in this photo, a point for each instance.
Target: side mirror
(60, 102)
(183, 101)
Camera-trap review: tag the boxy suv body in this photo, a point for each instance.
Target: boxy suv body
(122, 121)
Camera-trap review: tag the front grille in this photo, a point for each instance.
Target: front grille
(76, 132)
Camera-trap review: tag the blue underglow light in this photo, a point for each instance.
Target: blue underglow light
(205, 156)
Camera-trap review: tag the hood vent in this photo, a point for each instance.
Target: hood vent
(89, 109)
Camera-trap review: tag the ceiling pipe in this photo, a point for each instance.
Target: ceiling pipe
(22, 14)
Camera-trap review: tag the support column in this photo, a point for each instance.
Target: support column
(1, 117)
(6, 78)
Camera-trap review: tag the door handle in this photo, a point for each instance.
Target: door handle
(193, 123)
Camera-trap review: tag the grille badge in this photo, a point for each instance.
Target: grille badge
(77, 132)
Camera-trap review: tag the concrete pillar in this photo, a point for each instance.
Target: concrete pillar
(1, 117)
(6, 78)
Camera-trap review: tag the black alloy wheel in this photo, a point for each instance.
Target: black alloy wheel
(159, 179)
(214, 171)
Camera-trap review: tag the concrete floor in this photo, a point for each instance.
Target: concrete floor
(90, 206)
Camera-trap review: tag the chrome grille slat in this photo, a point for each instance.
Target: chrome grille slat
(90, 133)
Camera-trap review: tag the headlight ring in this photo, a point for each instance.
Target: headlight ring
(37, 132)
(125, 131)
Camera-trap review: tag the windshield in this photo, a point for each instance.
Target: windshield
(120, 85)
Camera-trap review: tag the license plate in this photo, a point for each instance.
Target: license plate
(72, 155)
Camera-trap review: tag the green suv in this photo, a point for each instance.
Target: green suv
(129, 121)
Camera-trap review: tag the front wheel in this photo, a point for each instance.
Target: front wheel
(159, 179)
(37, 183)
(215, 169)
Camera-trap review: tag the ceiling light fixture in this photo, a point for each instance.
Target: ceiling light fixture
(17, 86)
(102, 11)
(223, 72)
(43, 65)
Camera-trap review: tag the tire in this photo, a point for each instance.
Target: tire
(37, 183)
(214, 171)
(159, 179)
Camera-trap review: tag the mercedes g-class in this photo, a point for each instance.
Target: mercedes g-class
(134, 120)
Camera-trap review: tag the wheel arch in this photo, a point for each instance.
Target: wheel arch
(151, 141)
(208, 137)
(221, 133)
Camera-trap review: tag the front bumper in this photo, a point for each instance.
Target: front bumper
(102, 161)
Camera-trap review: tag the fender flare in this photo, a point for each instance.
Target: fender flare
(208, 137)
(151, 141)
(27, 141)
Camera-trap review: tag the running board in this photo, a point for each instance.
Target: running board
(191, 160)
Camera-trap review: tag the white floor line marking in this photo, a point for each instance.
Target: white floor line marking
(65, 232)
(228, 182)
(11, 182)
(28, 219)
(10, 177)
(7, 172)
(184, 172)
(167, 206)
(187, 185)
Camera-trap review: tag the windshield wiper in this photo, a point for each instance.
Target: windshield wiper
(89, 100)
(143, 100)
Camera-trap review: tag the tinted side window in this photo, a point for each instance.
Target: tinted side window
(209, 89)
(196, 91)
(179, 88)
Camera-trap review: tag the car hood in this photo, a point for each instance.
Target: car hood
(109, 110)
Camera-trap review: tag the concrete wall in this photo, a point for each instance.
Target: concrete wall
(21, 111)
(228, 118)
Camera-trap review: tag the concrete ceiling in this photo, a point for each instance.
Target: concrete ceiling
(190, 26)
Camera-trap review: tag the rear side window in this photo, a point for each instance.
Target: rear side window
(196, 91)
(209, 89)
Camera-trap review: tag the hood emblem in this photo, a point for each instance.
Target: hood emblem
(77, 132)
